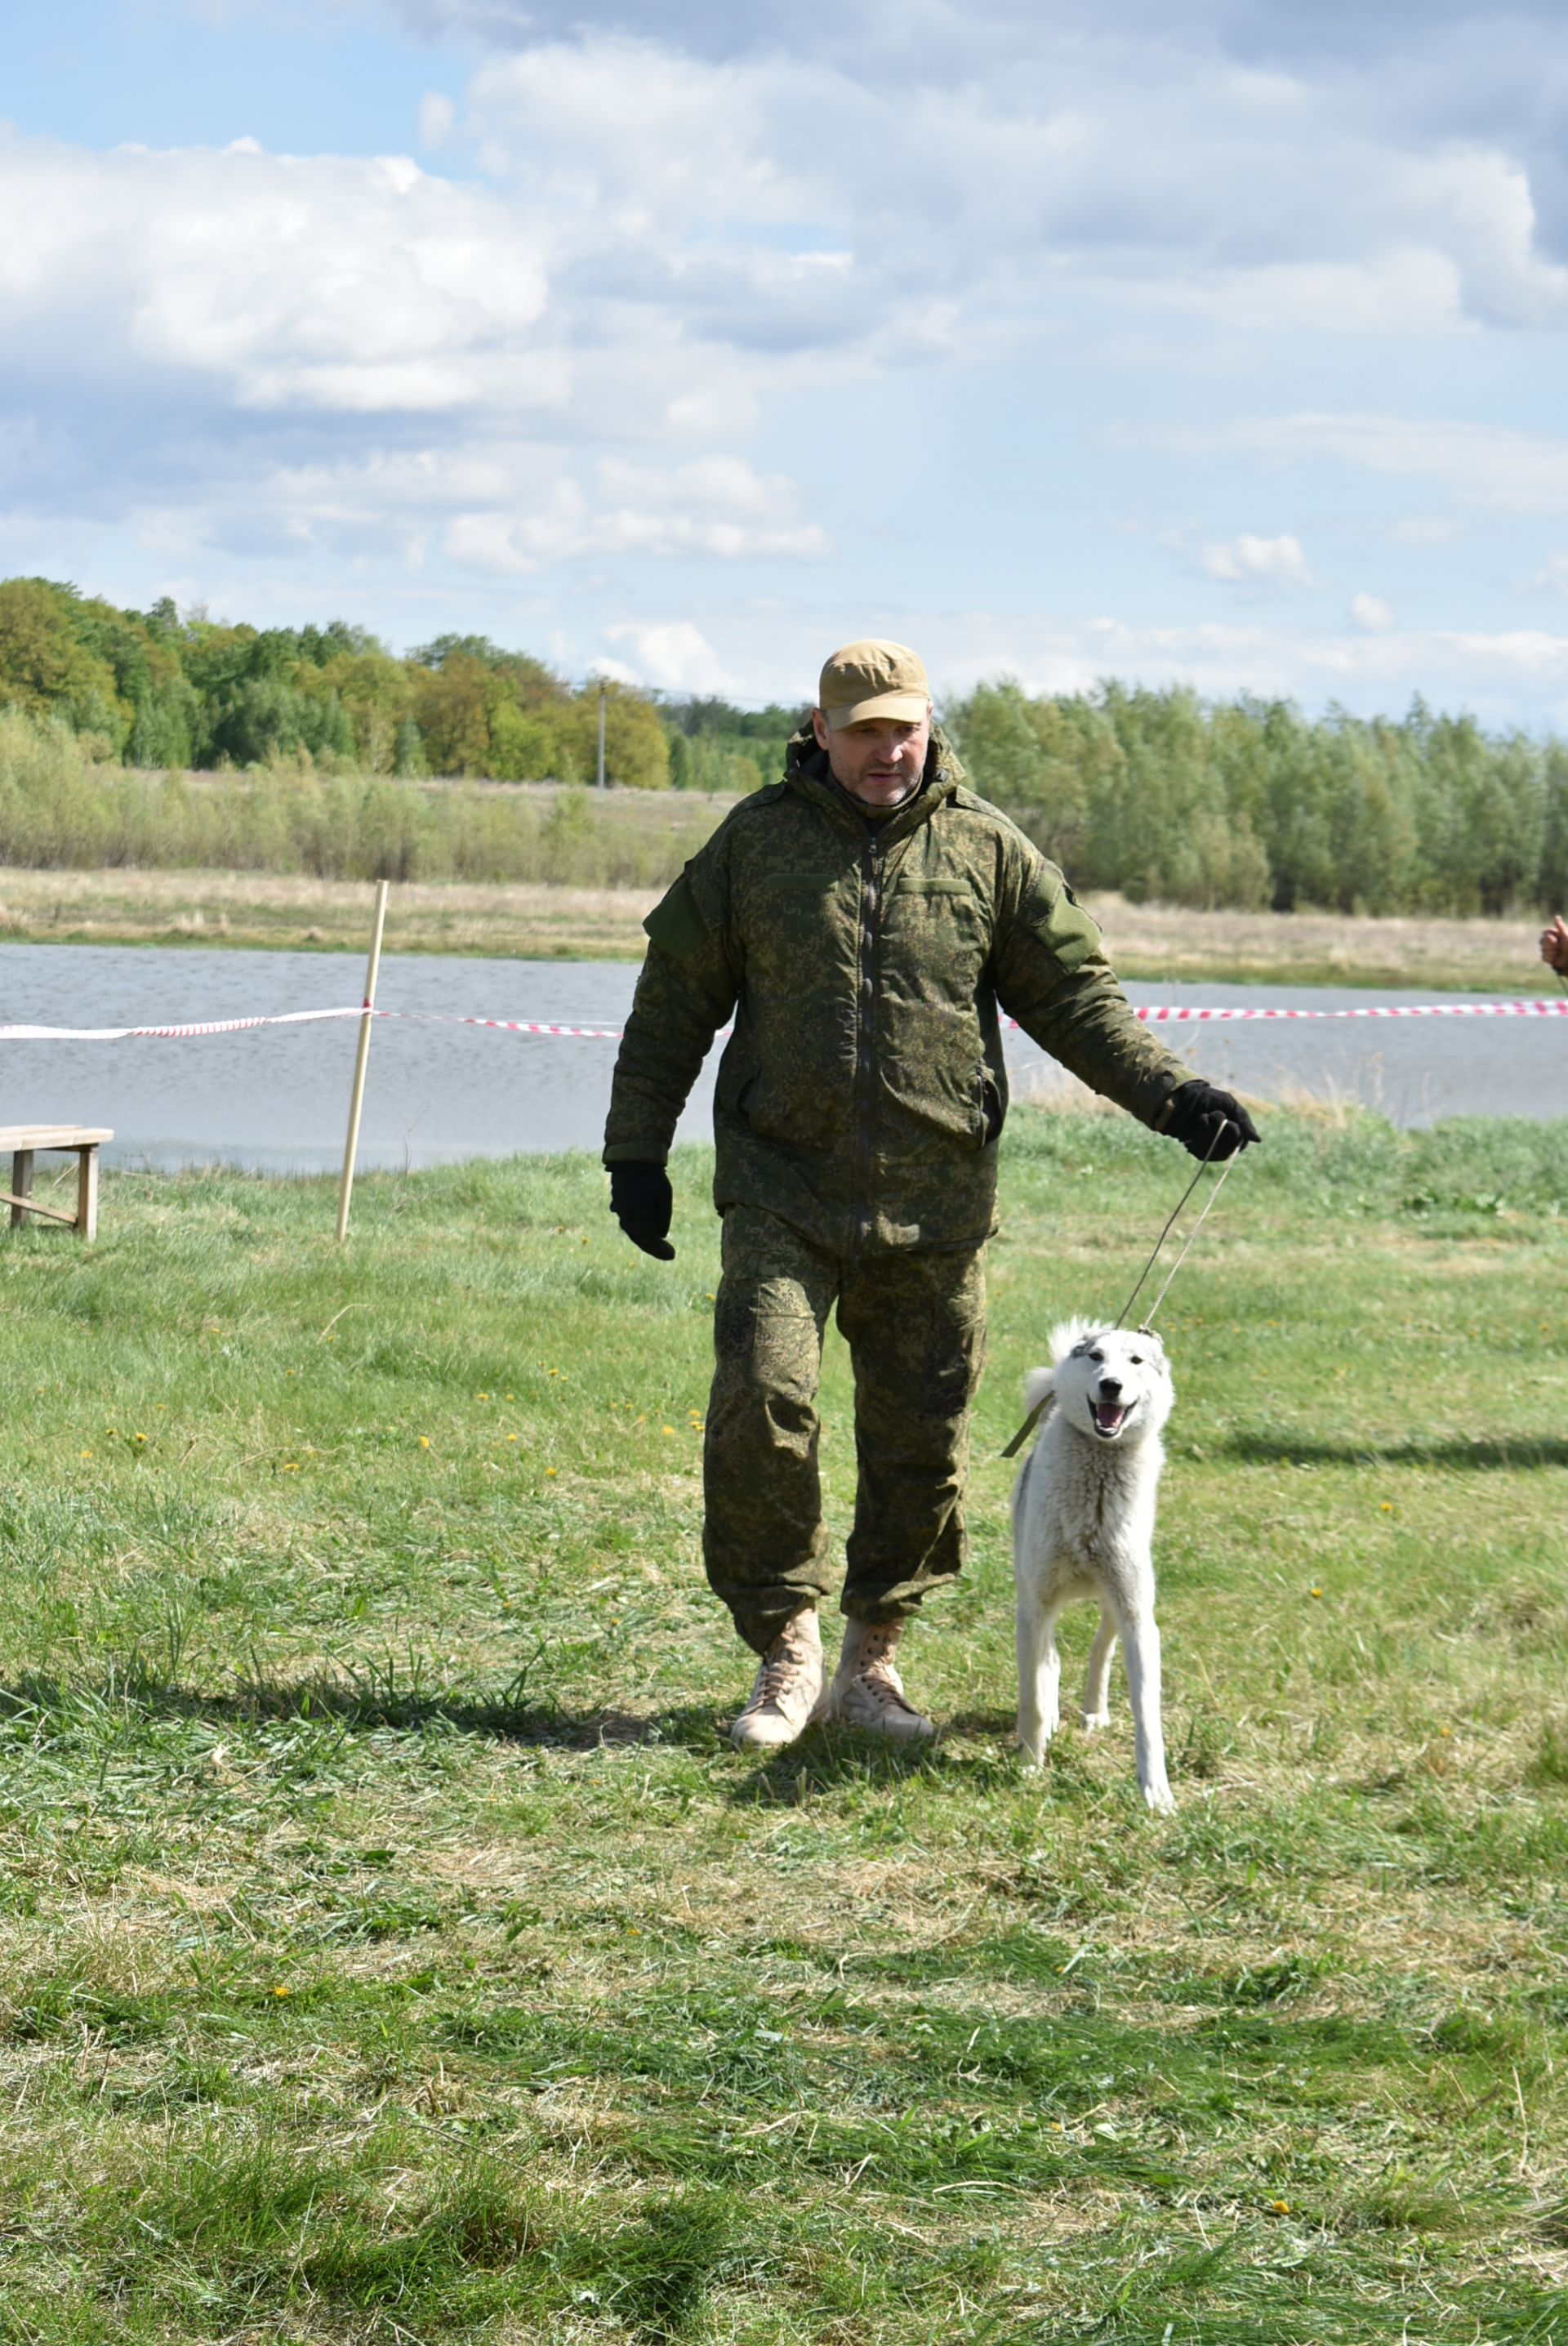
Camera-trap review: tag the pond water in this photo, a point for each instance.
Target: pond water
(276, 1099)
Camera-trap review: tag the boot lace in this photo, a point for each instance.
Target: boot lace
(875, 1663)
(782, 1663)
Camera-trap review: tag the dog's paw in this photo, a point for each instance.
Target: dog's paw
(1157, 1799)
(1093, 1718)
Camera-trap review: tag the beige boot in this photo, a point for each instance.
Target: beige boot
(789, 1688)
(867, 1691)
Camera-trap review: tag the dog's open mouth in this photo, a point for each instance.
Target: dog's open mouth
(1109, 1416)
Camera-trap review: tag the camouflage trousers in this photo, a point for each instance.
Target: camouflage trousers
(915, 1327)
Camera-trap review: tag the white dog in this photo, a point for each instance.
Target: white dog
(1083, 1525)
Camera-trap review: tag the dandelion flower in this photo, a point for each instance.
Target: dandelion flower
(549, 1470)
(291, 1465)
(1280, 2207)
(424, 1441)
(1387, 1506)
(1314, 1592)
(667, 1429)
(138, 1437)
(86, 1453)
(280, 1991)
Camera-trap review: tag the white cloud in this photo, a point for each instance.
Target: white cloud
(1371, 614)
(1423, 529)
(674, 656)
(437, 119)
(1481, 463)
(687, 225)
(1258, 561)
(716, 506)
(1507, 676)
(1553, 575)
(358, 286)
(1043, 148)
(505, 509)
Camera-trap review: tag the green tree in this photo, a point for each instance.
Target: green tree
(46, 669)
(637, 747)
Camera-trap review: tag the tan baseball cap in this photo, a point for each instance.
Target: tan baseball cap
(872, 679)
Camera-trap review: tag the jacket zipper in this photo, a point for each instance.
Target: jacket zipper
(865, 1057)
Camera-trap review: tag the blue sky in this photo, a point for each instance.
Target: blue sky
(1218, 340)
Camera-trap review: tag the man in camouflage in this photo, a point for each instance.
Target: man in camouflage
(862, 921)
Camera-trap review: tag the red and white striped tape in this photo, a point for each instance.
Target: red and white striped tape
(179, 1034)
(1154, 1014)
(170, 1033)
(504, 1026)
(1159, 1013)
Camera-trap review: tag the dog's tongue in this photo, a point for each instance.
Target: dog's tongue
(1109, 1415)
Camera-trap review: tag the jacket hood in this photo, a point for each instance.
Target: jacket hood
(806, 770)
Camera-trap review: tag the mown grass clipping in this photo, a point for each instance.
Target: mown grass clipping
(394, 1950)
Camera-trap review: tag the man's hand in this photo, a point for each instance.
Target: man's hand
(1554, 944)
(1210, 1124)
(642, 1202)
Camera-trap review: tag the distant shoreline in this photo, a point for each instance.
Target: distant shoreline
(532, 921)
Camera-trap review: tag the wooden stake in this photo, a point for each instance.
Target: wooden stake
(356, 1099)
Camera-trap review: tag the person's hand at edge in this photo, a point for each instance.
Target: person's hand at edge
(1554, 944)
(642, 1202)
(1210, 1124)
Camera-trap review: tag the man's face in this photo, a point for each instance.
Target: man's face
(879, 762)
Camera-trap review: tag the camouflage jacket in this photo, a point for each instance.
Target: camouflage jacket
(862, 1092)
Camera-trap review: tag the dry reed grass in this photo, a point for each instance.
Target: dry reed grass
(1171, 942)
(533, 920)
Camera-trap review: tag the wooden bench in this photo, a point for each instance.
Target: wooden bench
(22, 1139)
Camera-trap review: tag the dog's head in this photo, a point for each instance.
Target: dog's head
(1111, 1383)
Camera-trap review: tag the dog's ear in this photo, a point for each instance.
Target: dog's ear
(1071, 1339)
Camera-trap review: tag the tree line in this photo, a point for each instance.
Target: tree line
(1248, 803)
(1152, 791)
(153, 689)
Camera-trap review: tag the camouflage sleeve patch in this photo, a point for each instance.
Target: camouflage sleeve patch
(676, 923)
(1056, 917)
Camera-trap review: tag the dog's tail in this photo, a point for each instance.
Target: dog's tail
(1038, 1386)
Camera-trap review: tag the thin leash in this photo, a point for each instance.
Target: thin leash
(1040, 1408)
(1149, 1320)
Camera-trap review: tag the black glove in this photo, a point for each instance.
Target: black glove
(642, 1202)
(1209, 1123)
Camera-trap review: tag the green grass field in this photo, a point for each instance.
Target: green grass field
(394, 1951)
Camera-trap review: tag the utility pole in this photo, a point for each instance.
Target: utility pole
(601, 732)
